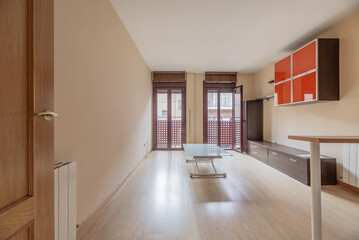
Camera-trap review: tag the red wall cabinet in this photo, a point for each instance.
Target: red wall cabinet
(310, 74)
(305, 59)
(283, 70)
(283, 93)
(305, 88)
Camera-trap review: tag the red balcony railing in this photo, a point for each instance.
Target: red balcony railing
(162, 134)
(226, 137)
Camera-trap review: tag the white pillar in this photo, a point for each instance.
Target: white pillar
(315, 179)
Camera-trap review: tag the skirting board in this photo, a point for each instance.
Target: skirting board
(341, 183)
(86, 225)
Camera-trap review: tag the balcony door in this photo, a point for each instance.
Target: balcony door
(237, 118)
(169, 128)
(221, 121)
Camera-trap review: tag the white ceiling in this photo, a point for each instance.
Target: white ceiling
(225, 35)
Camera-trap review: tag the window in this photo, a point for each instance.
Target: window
(169, 125)
(212, 101)
(226, 100)
(164, 113)
(218, 114)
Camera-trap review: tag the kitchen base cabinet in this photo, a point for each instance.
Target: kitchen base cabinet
(289, 164)
(293, 162)
(257, 151)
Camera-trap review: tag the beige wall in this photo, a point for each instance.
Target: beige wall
(103, 97)
(331, 118)
(198, 115)
(247, 80)
(194, 107)
(190, 108)
(261, 87)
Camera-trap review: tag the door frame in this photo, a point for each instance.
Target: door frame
(168, 87)
(241, 118)
(221, 88)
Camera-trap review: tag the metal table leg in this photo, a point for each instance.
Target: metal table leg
(198, 174)
(315, 180)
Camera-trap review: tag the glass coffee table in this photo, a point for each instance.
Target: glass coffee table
(204, 153)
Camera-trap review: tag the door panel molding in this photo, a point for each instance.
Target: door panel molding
(14, 119)
(10, 219)
(26, 233)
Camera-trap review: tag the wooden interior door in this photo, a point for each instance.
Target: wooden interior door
(26, 140)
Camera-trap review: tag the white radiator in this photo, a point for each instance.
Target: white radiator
(65, 201)
(351, 164)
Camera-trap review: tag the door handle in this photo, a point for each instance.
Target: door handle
(47, 115)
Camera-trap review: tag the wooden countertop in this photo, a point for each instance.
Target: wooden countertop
(327, 139)
(287, 150)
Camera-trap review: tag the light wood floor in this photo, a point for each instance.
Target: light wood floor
(254, 202)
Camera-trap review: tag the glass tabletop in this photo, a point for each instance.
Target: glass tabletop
(204, 150)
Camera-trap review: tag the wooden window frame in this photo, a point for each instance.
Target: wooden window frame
(221, 77)
(241, 118)
(169, 76)
(169, 87)
(221, 88)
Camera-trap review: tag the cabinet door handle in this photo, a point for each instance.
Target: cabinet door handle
(293, 160)
(274, 153)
